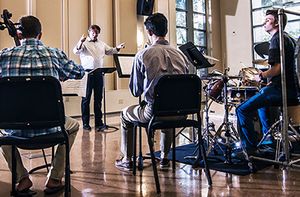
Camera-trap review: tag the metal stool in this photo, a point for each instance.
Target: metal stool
(275, 129)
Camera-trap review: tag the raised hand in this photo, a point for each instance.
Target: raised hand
(121, 46)
(83, 38)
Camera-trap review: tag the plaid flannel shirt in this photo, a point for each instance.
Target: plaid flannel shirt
(33, 58)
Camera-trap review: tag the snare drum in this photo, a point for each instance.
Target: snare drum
(247, 75)
(239, 94)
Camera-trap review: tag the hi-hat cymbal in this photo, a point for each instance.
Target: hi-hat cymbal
(261, 62)
(210, 58)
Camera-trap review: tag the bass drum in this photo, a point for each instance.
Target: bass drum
(215, 90)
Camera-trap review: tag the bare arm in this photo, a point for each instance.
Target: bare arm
(272, 72)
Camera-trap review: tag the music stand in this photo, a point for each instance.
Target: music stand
(104, 71)
(195, 56)
(123, 64)
(197, 59)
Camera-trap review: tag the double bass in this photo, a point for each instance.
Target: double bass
(9, 25)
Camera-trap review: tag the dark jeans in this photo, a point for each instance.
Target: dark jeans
(267, 96)
(95, 82)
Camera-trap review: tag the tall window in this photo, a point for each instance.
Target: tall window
(191, 23)
(259, 8)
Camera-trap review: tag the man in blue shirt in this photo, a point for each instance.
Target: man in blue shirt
(33, 58)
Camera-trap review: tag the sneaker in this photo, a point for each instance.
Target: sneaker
(268, 140)
(164, 163)
(87, 127)
(100, 128)
(123, 165)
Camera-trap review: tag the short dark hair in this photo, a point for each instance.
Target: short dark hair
(157, 23)
(30, 26)
(274, 12)
(95, 27)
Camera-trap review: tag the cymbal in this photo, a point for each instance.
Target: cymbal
(262, 62)
(210, 58)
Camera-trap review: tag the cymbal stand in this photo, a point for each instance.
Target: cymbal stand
(231, 135)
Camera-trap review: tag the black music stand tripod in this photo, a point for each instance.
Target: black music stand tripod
(104, 71)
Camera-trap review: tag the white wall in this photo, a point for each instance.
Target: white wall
(236, 34)
(64, 21)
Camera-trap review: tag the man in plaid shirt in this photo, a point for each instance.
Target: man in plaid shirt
(33, 58)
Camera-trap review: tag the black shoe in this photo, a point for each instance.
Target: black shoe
(164, 164)
(239, 154)
(87, 127)
(266, 150)
(100, 128)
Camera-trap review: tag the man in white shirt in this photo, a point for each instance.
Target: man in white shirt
(149, 65)
(92, 51)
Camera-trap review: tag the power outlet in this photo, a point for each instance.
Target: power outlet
(121, 101)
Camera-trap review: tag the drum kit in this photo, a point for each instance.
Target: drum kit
(229, 91)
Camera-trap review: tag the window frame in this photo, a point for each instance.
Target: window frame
(255, 27)
(190, 29)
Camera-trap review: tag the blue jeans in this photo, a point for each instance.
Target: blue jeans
(267, 96)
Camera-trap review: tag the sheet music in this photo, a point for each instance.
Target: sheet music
(75, 86)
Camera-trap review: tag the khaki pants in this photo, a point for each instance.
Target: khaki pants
(58, 165)
(141, 114)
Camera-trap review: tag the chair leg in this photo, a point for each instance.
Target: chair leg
(150, 143)
(14, 173)
(140, 157)
(203, 153)
(173, 151)
(46, 165)
(67, 170)
(134, 150)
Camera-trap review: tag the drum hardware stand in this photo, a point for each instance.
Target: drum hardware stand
(206, 131)
(227, 126)
(284, 123)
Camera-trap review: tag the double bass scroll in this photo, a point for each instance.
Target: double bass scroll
(9, 25)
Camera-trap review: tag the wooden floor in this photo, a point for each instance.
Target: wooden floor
(92, 161)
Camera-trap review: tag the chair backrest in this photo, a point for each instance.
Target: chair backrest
(30, 102)
(177, 95)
